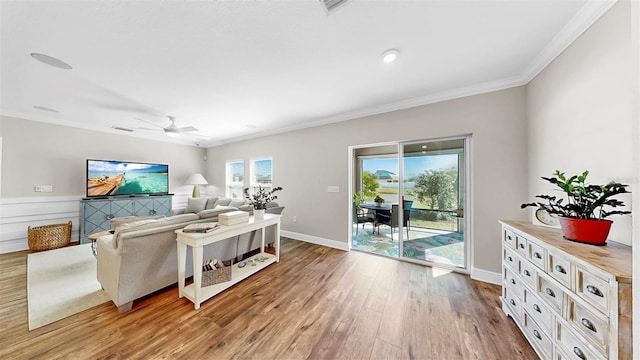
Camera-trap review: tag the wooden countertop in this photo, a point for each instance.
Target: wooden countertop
(613, 257)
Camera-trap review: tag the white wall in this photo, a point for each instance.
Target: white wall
(579, 111)
(307, 161)
(36, 153)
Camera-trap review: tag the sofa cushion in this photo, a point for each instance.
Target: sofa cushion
(209, 213)
(115, 222)
(211, 202)
(236, 203)
(195, 205)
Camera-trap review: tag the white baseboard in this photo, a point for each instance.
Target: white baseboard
(316, 240)
(486, 276)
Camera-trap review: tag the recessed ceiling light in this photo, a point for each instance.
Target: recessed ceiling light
(424, 146)
(42, 108)
(51, 61)
(390, 56)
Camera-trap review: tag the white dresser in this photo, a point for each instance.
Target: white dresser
(570, 300)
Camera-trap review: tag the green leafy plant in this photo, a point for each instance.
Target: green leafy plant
(358, 199)
(584, 201)
(378, 199)
(262, 197)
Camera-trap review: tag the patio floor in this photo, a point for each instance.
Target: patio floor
(435, 246)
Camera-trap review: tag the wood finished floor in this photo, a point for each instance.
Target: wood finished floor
(317, 303)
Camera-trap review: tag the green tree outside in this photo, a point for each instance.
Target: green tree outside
(370, 185)
(437, 189)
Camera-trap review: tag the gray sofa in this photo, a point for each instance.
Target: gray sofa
(140, 257)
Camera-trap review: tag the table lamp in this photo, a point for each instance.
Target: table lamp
(195, 180)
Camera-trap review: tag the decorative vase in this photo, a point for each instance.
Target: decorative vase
(259, 214)
(378, 204)
(588, 231)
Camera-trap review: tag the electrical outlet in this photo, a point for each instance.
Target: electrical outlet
(38, 188)
(46, 188)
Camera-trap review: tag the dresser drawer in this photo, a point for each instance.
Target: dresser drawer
(510, 259)
(509, 239)
(592, 325)
(513, 283)
(528, 274)
(540, 340)
(538, 311)
(513, 302)
(572, 345)
(521, 246)
(559, 268)
(592, 289)
(535, 254)
(551, 293)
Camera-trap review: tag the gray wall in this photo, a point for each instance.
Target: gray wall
(580, 112)
(307, 161)
(37, 153)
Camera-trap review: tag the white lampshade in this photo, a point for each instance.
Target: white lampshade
(195, 180)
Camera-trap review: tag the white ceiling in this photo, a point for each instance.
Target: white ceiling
(241, 69)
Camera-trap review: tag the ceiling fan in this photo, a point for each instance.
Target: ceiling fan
(171, 130)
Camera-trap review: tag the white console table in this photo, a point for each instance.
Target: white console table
(195, 292)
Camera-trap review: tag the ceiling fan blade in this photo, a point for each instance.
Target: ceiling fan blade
(149, 122)
(187, 128)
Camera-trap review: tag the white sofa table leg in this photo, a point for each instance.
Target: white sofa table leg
(182, 265)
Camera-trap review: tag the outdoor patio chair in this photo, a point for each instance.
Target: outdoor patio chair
(391, 219)
(360, 217)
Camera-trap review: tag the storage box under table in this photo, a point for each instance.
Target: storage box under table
(233, 217)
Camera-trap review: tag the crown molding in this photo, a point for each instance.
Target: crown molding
(583, 20)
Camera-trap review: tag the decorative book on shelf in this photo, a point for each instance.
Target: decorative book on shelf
(200, 228)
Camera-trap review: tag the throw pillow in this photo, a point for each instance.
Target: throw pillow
(211, 202)
(194, 205)
(223, 202)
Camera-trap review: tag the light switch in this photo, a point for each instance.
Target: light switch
(333, 188)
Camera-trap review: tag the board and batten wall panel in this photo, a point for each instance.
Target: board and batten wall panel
(307, 161)
(38, 153)
(579, 111)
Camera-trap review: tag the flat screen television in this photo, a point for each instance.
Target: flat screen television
(116, 178)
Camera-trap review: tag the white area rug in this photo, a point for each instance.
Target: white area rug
(60, 283)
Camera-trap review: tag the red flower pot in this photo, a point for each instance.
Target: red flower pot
(588, 231)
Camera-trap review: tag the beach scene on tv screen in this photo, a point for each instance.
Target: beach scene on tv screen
(109, 178)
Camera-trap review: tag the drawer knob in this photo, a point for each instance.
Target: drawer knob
(510, 258)
(537, 308)
(537, 334)
(537, 255)
(579, 353)
(110, 216)
(521, 246)
(588, 324)
(512, 302)
(152, 212)
(594, 290)
(550, 292)
(513, 281)
(509, 237)
(560, 269)
(526, 272)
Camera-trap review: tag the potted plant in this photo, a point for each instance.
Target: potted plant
(260, 199)
(582, 217)
(378, 200)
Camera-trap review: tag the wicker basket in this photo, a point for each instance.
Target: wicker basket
(49, 237)
(216, 276)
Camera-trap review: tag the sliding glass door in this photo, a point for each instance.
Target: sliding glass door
(433, 174)
(409, 200)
